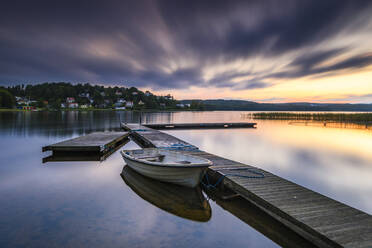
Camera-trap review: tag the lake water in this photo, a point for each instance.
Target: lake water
(73, 204)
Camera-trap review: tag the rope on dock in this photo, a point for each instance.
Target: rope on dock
(139, 130)
(179, 146)
(209, 185)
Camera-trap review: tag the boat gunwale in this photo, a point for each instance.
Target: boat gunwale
(169, 165)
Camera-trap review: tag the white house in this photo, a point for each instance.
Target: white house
(70, 100)
(84, 94)
(180, 105)
(168, 97)
(121, 100)
(141, 103)
(129, 104)
(73, 105)
(134, 93)
(120, 108)
(118, 104)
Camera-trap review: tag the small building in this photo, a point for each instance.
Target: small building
(122, 100)
(135, 93)
(188, 105)
(73, 105)
(119, 108)
(168, 97)
(118, 93)
(141, 103)
(28, 108)
(70, 99)
(21, 102)
(102, 93)
(118, 104)
(129, 104)
(84, 94)
(180, 105)
(63, 105)
(84, 106)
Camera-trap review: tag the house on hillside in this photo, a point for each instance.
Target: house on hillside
(70, 99)
(129, 104)
(84, 94)
(168, 97)
(28, 108)
(73, 105)
(118, 104)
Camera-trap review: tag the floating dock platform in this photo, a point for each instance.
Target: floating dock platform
(92, 147)
(320, 220)
(201, 125)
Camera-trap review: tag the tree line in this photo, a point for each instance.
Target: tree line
(52, 95)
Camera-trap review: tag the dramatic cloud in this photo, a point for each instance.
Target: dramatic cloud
(168, 44)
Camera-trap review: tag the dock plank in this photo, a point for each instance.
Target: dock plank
(317, 218)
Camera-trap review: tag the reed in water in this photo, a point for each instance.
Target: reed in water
(334, 117)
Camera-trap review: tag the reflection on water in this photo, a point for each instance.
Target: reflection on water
(185, 202)
(80, 204)
(87, 204)
(261, 221)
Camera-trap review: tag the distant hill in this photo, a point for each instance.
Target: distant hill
(220, 104)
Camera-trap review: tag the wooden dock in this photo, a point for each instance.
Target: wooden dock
(200, 125)
(91, 147)
(319, 219)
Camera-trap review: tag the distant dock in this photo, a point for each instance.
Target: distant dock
(320, 220)
(94, 146)
(201, 125)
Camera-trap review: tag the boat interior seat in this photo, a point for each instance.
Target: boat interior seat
(183, 162)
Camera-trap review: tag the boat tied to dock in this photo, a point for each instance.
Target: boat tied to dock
(167, 166)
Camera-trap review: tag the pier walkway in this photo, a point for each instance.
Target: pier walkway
(319, 219)
(201, 125)
(91, 147)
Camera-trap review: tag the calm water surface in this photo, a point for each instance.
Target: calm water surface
(72, 204)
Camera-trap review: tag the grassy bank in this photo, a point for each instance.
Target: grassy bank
(10, 110)
(334, 117)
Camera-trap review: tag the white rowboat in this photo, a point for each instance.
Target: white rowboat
(167, 166)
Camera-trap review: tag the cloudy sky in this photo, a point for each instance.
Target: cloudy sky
(268, 51)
